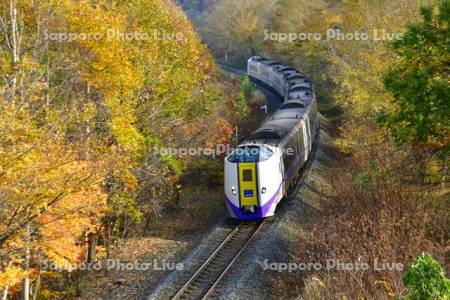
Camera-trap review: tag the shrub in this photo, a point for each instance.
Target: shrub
(426, 280)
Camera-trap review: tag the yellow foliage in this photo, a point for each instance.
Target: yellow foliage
(80, 114)
(10, 277)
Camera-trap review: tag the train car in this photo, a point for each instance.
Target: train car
(266, 72)
(253, 68)
(259, 173)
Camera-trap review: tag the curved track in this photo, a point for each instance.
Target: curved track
(232, 69)
(202, 283)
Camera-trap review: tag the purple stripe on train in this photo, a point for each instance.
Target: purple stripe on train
(261, 211)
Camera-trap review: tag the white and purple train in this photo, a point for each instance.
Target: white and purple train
(263, 167)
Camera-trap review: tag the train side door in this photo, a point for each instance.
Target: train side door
(305, 140)
(308, 131)
(282, 174)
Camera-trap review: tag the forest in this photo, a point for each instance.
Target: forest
(91, 89)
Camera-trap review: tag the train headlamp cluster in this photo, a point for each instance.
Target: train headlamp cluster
(263, 190)
(233, 190)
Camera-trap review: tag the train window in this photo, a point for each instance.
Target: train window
(247, 175)
(250, 154)
(244, 154)
(264, 153)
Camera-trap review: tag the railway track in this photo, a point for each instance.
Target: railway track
(201, 285)
(232, 69)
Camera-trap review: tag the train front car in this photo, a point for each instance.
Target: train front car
(253, 181)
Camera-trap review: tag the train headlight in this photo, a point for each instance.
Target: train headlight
(263, 190)
(233, 190)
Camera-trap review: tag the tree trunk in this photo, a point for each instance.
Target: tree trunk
(15, 46)
(444, 176)
(147, 223)
(92, 244)
(5, 293)
(176, 191)
(37, 286)
(47, 81)
(26, 266)
(107, 239)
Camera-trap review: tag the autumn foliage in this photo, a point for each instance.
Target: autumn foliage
(79, 116)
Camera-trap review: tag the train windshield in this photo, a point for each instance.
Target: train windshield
(250, 154)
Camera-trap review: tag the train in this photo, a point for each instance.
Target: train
(263, 168)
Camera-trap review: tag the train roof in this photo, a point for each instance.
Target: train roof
(305, 99)
(287, 68)
(294, 103)
(258, 58)
(300, 88)
(299, 94)
(279, 67)
(299, 85)
(271, 63)
(297, 75)
(273, 131)
(287, 73)
(293, 109)
(289, 115)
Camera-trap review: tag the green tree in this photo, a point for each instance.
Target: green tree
(419, 82)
